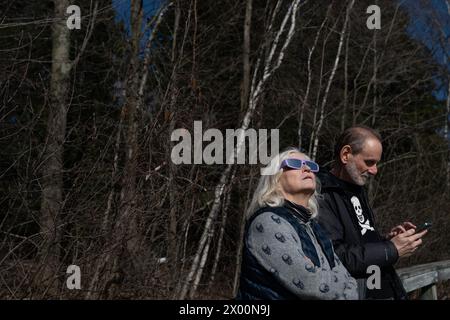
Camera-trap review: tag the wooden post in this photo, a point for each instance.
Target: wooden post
(429, 292)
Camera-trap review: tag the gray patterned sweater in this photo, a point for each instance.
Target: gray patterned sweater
(276, 246)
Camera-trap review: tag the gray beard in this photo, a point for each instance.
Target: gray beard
(357, 178)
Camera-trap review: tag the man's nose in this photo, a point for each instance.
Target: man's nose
(373, 170)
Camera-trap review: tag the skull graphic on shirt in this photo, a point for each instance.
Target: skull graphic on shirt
(358, 210)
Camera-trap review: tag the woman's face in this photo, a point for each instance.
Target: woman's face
(298, 181)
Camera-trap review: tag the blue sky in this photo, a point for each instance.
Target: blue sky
(420, 27)
(122, 8)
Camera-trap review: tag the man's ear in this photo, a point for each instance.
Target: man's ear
(346, 152)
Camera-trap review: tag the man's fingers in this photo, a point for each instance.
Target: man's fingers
(398, 229)
(418, 235)
(409, 232)
(416, 244)
(405, 234)
(408, 225)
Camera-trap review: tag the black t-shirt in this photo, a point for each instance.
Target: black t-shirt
(361, 214)
(363, 218)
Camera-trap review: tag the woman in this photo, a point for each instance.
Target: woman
(286, 254)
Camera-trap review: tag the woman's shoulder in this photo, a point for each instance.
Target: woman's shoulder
(272, 215)
(268, 223)
(276, 210)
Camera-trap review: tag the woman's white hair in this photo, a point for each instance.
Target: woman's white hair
(268, 191)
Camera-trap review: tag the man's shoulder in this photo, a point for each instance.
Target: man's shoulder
(328, 182)
(332, 194)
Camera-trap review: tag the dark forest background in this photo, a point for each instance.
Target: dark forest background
(86, 116)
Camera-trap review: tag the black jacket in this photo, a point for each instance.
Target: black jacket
(337, 216)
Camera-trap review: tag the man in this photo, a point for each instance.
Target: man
(346, 215)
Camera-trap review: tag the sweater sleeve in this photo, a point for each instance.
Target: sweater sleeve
(276, 246)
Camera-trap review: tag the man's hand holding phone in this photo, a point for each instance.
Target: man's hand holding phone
(400, 229)
(407, 238)
(423, 227)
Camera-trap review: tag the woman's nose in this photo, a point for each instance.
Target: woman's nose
(306, 168)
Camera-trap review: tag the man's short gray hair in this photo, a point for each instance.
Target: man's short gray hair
(355, 137)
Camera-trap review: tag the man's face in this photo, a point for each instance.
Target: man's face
(361, 166)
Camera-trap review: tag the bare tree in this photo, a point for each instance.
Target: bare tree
(447, 116)
(270, 64)
(330, 80)
(308, 85)
(52, 178)
(125, 234)
(86, 175)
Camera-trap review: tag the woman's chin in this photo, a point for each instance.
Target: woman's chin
(308, 185)
(305, 191)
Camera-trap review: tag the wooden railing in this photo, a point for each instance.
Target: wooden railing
(425, 277)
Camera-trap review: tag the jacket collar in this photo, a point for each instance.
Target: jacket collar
(300, 211)
(330, 181)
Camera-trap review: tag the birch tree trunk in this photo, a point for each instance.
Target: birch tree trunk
(246, 55)
(374, 101)
(128, 192)
(172, 245)
(308, 85)
(52, 180)
(447, 116)
(330, 80)
(124, 230)
(125, 233)
(244, 104)
(375, 69)
(225, 207)
(52, 177)
(128, 222)
(319, 89)
(269, 66)
(344, 111)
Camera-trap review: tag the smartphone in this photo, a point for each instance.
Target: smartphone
(423, 227)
